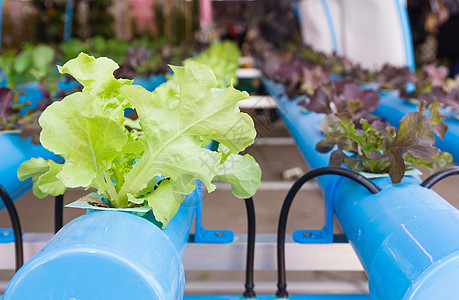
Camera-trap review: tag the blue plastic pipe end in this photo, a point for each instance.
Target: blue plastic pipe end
(406, 236)
(438, 281)
(103, 255)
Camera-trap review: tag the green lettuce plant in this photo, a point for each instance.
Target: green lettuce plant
(158, 167)
(33, 63)
(223, 59)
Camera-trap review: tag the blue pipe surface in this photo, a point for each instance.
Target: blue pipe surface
(109, 255)
(406, 236)
(14, 152)
(402, 234)
(406, 33)
(150, 83)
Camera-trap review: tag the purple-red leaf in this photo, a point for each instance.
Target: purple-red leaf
(435, 74)
(5, 100)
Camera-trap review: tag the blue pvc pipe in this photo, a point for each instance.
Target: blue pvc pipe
(331, 26)
(109, 255)
(14, 152)
(406, 33)
(150, 83)
(68, 85)
(328, 16)
(301, 124)
(68, 20)
(178, 229)
(393, 108)
(406, 236)
(30, 92)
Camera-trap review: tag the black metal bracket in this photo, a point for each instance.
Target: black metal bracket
(249, 291)
(430, 181)
(14, 218)
(281, 229)
(58, 212)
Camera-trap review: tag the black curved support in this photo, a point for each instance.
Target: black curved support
(437, 176)
(249, 291)
(58, 212)
(368, 184)
(18, 246)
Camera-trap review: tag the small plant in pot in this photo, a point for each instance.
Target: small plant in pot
(157, 166)
(376, 147)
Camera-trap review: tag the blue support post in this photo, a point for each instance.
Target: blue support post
(210, 236)
(406, 33)
(68, 20)
(331, 26)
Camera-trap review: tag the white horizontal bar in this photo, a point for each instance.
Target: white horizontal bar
(33, 242)
(269, 287)
(305, 257)
(299, 257)
(248, 73)
(262, 102)
(246, 60)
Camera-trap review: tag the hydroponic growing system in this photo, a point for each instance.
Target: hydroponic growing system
(405, 235)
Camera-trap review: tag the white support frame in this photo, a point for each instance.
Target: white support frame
(300, 257)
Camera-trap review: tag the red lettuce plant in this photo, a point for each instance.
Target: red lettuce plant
(343, 97)
(432, 85)
(377, 147)
(393, 78)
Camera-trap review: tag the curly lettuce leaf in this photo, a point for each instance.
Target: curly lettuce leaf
(436, 119)
(88, 143)
(414, 136)
(159, 166)
(86, 128)
(173, 133)
(44, 176)
(96, 75)
(242, 172)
